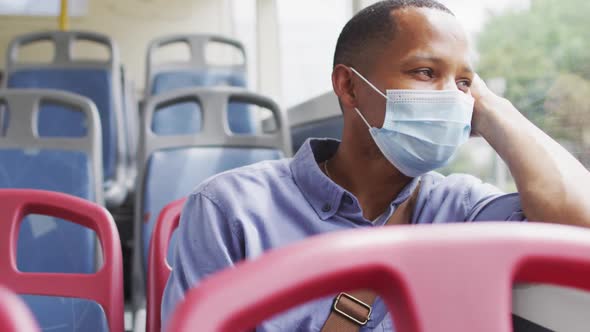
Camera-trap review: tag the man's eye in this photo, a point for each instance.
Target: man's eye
(424, 73)
(464, 84)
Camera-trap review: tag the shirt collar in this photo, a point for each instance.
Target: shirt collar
(323, 194)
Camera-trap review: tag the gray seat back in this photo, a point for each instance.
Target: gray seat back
(318, 117)
(196, 71)
(196, 66)
(21, 111)
(172, 166)
(99, 80)
(71, 165)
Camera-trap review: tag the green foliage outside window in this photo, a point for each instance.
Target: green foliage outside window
(543, 54)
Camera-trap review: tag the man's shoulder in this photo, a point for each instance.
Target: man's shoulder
(452, 182)
(464, 189)
(244, 182)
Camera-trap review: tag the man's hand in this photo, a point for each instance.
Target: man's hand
(553, 185)
(486, 102)
(479, 89)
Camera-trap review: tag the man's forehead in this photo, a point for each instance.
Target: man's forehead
(414, 21)
(430, 34)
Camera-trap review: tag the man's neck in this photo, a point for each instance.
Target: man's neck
(373, 181)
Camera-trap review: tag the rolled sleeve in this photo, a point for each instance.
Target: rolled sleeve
(206, 244)
(487, 203)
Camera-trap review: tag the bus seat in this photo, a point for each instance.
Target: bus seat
(538, 307)
(172, 166)
(318, 117)
(81, 302)
(398, 263)
(70, 165)
(14, 314)
(158, 263)
(98, 80)
(197, 72)
(66, 164)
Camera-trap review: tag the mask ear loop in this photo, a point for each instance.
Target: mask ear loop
(374, 88)
(362, 117)
(369, 83)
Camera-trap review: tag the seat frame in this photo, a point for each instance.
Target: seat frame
(104, 287)
(431, 277)
(63, 41)
(197, 44)
(158, 267)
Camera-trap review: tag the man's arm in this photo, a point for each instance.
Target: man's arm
(206, 244)
(553, 185)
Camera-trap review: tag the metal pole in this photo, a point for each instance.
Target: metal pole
(64, 23)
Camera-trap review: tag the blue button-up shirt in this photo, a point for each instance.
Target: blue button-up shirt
(242, 213)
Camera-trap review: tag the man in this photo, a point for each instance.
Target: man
(409, 98)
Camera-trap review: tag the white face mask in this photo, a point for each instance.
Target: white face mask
(423, 128)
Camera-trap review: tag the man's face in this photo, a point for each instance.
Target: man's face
(430, 51)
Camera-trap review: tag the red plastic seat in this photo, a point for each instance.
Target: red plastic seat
(158, 267)
(105, 287)
(14, 314)
(433, 278)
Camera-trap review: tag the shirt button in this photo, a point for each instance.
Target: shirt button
(347, 199)
(326, 207)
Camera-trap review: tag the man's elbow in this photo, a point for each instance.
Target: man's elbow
(567, 211)
(578, 214)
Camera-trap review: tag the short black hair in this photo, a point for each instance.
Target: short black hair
(372, 27)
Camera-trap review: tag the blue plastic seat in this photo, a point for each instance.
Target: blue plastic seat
(97, 80)
(62, 314)
(325, 128)
(196, 72)
(172, 166)
(92, 83)
(189, 166)
(167, 81)
(48, 244)
(319, 117)
(66, 164)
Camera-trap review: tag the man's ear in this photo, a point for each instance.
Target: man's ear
(344, 86)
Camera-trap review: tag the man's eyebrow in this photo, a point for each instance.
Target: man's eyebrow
(419, 57)
(468, 69)
(430, 58)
